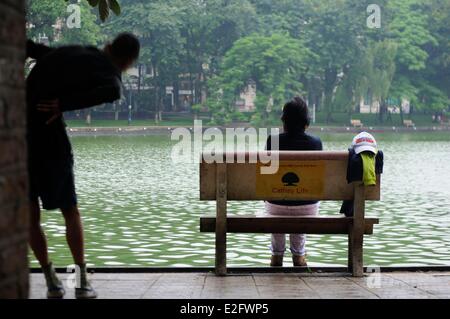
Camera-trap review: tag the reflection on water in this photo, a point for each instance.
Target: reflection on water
(140, 209)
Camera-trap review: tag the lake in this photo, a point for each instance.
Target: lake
(141, 209)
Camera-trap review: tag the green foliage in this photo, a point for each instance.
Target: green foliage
(274, 62)
(320, 49)
(431, 98)
(402, 88)
(410, 30)
(335, 33)
(381, 68)
(45, 14)
(104, 7)
(90, 31)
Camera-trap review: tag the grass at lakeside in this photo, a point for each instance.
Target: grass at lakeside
(339, 120)
(343, 119)
(124, 123)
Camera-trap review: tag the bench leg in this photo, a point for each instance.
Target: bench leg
(221, 220)
(357, 231)
(221, 252)
(350, 253)
(356, 251)
(221, 255)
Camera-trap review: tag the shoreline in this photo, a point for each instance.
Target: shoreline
(167, 130)
(255, 269)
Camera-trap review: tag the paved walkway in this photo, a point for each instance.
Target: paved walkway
(270, 286)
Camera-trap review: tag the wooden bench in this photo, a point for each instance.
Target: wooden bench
(321, 176)
(409, 123)
(356, 123)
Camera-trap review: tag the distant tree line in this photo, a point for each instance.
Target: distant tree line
(322, 50)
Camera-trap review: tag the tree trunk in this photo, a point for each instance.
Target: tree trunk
(88, 117)
(330, 82)
(157, 105)
(350, 110)
(192, 88)
(176, 98)
(160, 106)
(203, 89)
(401, 114)
(382, 111)
(139, 78)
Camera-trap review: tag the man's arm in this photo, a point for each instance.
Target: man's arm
(108, 92)
(105, 93)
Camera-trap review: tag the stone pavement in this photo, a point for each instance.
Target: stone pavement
(265, 286)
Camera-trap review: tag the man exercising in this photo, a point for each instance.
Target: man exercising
(64, 79)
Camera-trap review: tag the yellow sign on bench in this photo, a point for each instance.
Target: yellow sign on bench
(293, 179)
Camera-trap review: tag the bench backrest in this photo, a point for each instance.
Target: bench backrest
(407, 121)
(355, 121)
(305, 175)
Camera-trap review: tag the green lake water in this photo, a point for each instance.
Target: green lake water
(141, 209)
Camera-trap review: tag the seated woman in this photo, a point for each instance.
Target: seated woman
(295, 121)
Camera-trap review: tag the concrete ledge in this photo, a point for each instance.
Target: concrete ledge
(237, 270)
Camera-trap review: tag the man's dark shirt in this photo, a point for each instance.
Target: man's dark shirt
(79, 77)
(299, 141)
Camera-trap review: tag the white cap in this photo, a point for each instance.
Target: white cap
(364, 142)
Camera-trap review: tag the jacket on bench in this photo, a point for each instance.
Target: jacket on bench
(355, 174)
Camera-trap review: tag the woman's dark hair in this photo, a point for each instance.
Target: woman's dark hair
(125, 47)
(295, 116)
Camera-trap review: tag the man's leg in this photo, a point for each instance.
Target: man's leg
(37, 239)
(38, 243)
(75, 240)
(74, 233)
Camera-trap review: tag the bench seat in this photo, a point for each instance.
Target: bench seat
(286, 225)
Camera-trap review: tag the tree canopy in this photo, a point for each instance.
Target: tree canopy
(322, 50)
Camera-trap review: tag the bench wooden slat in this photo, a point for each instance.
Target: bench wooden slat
(286, 225)
(242, 179)
(247, 157)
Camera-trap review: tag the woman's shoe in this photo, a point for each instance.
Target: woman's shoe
(276, 261)
(299, 261)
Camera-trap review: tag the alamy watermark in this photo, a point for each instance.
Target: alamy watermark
(373, 280)
(73, 21)
(374, 18)
(236, 145)
(73, 280)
